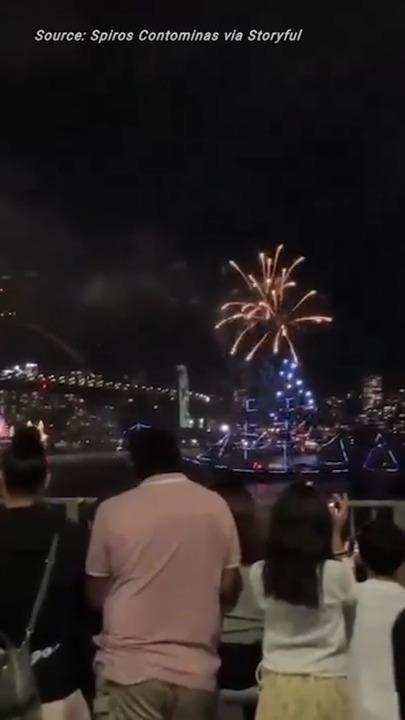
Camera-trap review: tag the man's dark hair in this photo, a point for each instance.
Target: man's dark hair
(24, 463)
(299, 543)
(242, 507)
(382, 547)
(153, 452)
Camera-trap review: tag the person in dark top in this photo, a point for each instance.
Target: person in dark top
(60, 645)
(398, 646)
(242, 631)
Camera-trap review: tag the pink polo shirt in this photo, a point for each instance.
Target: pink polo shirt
(165, 545)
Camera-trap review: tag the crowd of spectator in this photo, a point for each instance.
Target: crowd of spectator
(171, 595)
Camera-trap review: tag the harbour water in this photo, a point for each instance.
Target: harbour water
(102, 475)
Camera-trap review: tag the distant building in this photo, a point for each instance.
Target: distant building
(390, 408)
(336, 411)
(372, 395)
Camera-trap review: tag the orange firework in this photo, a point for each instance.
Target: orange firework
(270, 309)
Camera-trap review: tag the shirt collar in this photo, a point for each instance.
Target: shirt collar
(165, 479)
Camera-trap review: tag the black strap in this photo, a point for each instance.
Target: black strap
(42, 590)
(245, 618)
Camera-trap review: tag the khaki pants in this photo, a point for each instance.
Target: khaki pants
(156, 700)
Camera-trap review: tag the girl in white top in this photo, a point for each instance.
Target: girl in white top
(308, 595)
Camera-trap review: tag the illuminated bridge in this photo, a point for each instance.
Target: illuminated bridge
(28, 377)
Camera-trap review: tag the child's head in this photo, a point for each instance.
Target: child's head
(382, 547)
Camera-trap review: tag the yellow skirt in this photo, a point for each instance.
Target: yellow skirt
(303, 697)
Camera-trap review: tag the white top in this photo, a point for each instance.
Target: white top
(309, 641)
(244, 625)
(370, 659)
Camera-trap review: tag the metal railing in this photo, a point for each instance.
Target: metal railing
(370, 509)
(367, 509)
(359, 509)
(73, 505)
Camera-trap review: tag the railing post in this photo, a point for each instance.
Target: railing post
(399, 516)
(72, 509)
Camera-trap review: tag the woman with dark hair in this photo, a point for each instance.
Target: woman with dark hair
(307, 592)
(28, 528)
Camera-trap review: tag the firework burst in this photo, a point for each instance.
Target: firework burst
(271, 313)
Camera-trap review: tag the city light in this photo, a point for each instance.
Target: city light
(224, 428)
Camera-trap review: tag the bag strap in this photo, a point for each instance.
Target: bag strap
(43, 588)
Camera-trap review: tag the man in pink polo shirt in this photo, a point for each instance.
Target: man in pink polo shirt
(163, 562)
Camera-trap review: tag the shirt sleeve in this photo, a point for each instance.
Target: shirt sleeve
(349, 595)
(98, 556)
(256, 582)
(348, 583)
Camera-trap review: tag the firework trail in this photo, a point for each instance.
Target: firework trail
(269, 315)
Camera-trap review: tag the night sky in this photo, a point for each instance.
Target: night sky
(131, 172)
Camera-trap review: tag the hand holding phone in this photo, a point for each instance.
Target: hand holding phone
(339, 509)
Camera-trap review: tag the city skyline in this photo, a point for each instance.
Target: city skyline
(372, 396)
